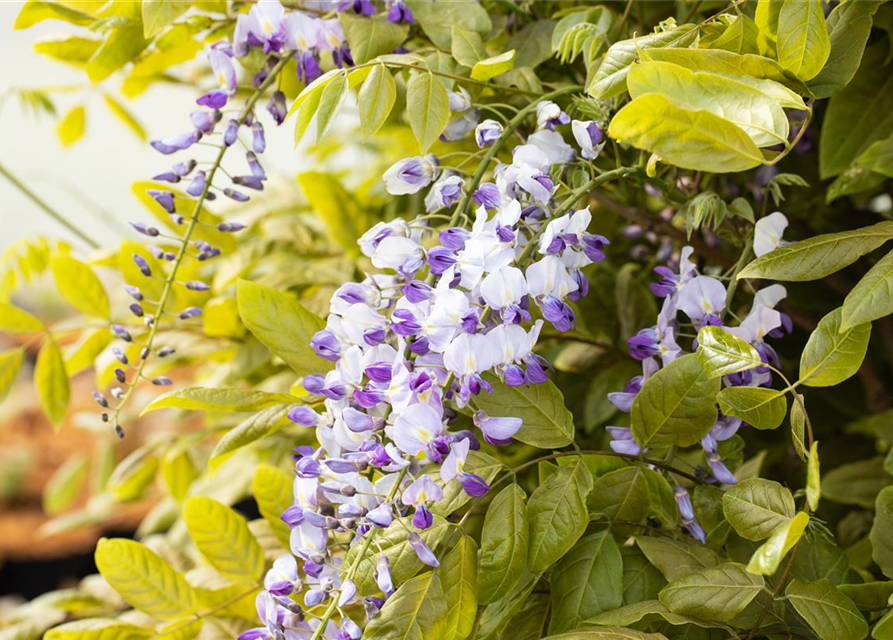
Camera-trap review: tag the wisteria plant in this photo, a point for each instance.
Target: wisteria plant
(515, 361)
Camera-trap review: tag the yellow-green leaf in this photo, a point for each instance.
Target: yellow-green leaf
(72, 127)
(458, 578)
(803, 43)
(99, 629)
(428, 108)
(344, 218)
(80, 287)
(695, 140)
(82, 355)
(74, 50)
(282, 324)
(211, 399)
(133, 475)
(13, 320)
(178, 471)
(417, 611)
(34, 11)
(51, 381)
(10, 363)
(813, 478)
(124, 115)
(65, 485)
(158, 14)
(758, 406)
(223, 537)
(272, 489)
(331, 99)
(143, 579)
(493, 66)
(376, 99)
(766, 559)
(831, 354)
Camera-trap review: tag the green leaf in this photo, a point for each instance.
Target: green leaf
(504, 543)
(73, 126)
(438, 20)
(558, 515)
(80, 287)
(144, 580)
(272, 489)
(417, 611)
(546, 421)
(51, 381)
(647, 611)
(83, 353)
(695, 140)
(376, 99)
(868, 596)
(249, 430)
(214, 399)
(458, 578)
(607, 633)
(282, 324)
(831, 614)
(676, 406)
(610, 79)
(34, 11)
(872, 297)
(758, 406)
(883, 628)
(467, 47)
(766, 18)
(754, 111)
(159, 14)
(766, 559)
(757, 507)
(676, 558)
(803, 42)
(882, 532)
(65, 485)
(879, 157)
(586, 581)
(331, 99)
(369, 37)
(813, 478)
(224, 540)
(339, 210)
(819, 256)
(722, 353)
(831, 354)
(621, 495)
(855, 179)
(532, 44)
(98, 629)
(428, 108)
(394, 543)
(13, 320)
(859, 115)
(10, 363)
(641, 579)
(849, 25)
(124, 115)
(493, 66)
(718, 593)
(856, 483)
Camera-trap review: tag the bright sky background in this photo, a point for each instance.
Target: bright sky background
(104, 164)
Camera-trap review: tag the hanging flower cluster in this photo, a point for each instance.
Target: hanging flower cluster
(702, 300)
(281, 36)
(410, 347)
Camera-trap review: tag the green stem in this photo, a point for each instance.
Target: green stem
(55, 215)
(187, 236)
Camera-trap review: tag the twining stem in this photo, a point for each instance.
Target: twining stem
(55, 215)
(364, 549)
(190, 229)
